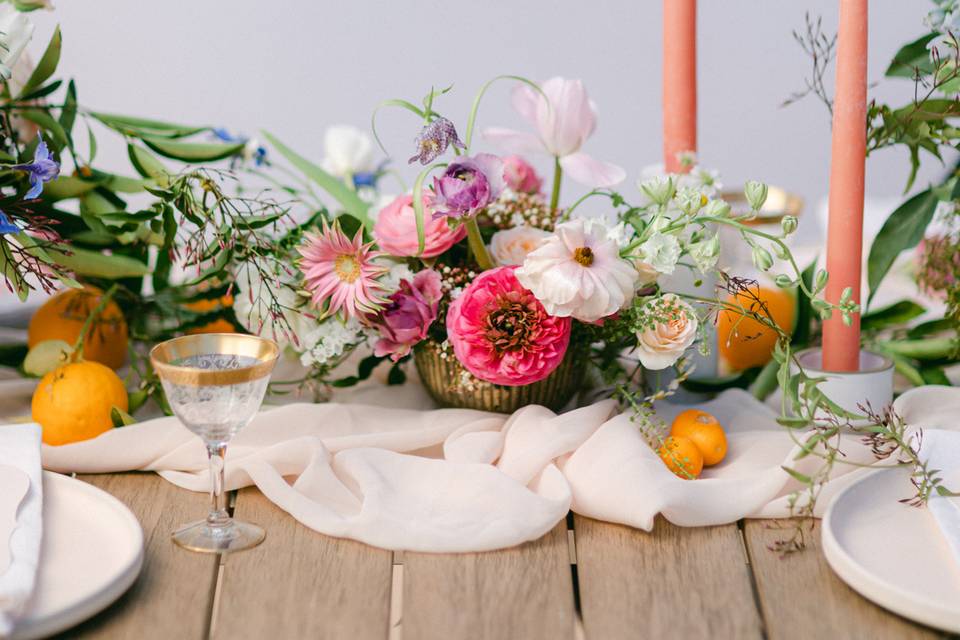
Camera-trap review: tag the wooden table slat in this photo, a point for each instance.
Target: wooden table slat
(671, 583)
(523, 592)
(802, 597)
(300, 584)
(173, 596)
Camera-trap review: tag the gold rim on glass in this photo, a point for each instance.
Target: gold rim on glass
(165, 355)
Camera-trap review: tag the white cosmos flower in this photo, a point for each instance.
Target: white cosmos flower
(661, 251)
(347, 151)
(510, 247)
(15, 32)
(660, 344)
(578, 272)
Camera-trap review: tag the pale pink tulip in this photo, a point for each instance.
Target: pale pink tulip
(563, 124)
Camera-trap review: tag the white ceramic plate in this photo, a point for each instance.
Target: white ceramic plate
(892, 553)
(92, 552)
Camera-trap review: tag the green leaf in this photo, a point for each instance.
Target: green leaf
(396, 102)
(805, 313)
(120, 417)
(902, 230)
(912, 57)
(343, 194)
(934, 375)
(48, 123)
(739, 380)
(67, 187)
(42, 92)
(139, 126)
(69, 113)
(898, 313)
(192, 151)
(418, 203)
(930, 327)
(95, 264)
(796, 475)
(47, 65)
(147, 164)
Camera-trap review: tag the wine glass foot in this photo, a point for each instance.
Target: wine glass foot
(234, 536)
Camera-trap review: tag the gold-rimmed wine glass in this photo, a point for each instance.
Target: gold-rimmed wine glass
(214, 384)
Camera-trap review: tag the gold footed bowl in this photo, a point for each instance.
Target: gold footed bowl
(450, 385)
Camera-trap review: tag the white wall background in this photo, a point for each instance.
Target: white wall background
(295, 66)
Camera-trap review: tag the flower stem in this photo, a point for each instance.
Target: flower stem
(91, 320)
(477, 247)
(555, 193)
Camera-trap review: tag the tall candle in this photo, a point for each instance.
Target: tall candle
(841, 344)
(679, 81)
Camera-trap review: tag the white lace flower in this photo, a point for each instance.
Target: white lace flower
(329, 340)
(579, 273)
(661, 251)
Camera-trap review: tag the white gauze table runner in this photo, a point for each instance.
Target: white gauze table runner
(454, 480)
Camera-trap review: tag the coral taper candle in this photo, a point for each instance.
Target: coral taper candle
(679, 81)
(841, 344)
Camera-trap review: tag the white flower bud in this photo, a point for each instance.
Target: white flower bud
(659, 189)
(756, 194)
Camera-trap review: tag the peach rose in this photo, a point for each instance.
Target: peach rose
(511, 246)
(661, 345)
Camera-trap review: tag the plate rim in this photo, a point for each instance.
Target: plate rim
(97, 601)
(877, 590)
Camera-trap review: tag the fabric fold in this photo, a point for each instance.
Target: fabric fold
(454, 480)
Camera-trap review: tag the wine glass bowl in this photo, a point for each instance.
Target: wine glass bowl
(215, 383)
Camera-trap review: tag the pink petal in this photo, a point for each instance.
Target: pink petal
(513, 141)
(590, 172)
(570, 118)
(525, 101)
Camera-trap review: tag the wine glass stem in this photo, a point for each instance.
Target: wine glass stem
(218, 516)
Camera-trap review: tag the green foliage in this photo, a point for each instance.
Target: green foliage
(903, 230)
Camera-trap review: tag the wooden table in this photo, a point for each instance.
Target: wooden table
(586, 579)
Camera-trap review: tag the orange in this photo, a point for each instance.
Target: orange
(682, 457)
(62, 317)
(745, 342)
(703, 430)
(73, 402)
(220, 325)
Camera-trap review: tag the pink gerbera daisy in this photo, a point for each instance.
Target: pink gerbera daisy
(340, 273)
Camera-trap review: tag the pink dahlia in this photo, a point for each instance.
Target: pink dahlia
(502, 334)
(340, 273)
(405, 322)
(396, 229)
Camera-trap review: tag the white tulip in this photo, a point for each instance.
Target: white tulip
(15, 32)
(347, 151)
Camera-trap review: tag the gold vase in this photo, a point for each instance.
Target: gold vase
(450, 385)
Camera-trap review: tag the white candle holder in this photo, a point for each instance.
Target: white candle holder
(872, 384)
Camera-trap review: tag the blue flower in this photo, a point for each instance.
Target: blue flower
(252, 151)
(43, 169)
(6, 226)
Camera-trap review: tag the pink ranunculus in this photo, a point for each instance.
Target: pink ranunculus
(520, 175)
(396, 230)
(502, 334)
(412, 310)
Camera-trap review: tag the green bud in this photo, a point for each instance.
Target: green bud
(782, 252)
(789, 224)
(846, 295)
(32, 5)
(717, 209)
(756, 194)
(847, 320)
(660, 189)
(761, 258)
(783, 281)
(820, 281)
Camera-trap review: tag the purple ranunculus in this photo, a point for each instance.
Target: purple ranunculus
(468, 185)
(413, 308)
(43, 169)
(434, 139)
